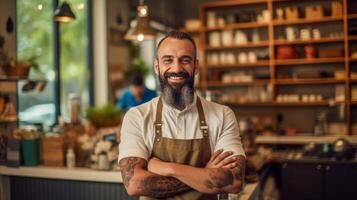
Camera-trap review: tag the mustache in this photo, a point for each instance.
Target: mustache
(182, 74)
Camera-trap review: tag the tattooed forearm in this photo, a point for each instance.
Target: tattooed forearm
(219, 178)
(149, 184)
(160, 186)
(240, 168)
(127, 168)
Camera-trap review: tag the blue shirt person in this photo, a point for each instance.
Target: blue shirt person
(135, 94)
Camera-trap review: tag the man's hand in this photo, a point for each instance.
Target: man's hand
(159, 167)
(220, 159)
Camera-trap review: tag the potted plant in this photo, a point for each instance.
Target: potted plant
(16, 68)
(105, 116)
(21, 67)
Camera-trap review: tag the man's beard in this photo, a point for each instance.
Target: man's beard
(181, 96)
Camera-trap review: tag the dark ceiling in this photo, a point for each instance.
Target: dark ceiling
(172, 13)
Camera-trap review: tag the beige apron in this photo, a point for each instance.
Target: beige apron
(195, 152)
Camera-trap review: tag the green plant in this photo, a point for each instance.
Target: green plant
(30, 61)
(138, 65)
(106, 115)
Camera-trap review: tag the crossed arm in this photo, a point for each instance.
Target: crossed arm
(162, 179)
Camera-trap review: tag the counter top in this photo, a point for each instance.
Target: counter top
(79, 174)
(302, 139)
(85, 174)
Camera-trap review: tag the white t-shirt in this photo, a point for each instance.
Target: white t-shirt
(137, 131)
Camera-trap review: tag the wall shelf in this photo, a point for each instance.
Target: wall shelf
(322, 40)
(238, 26)
(308, 81)
(248, 65)
(248, 45)
(303, 61)
(284, 104)
(220, 84)
(306, 21)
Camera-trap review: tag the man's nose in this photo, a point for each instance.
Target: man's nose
(176, 66)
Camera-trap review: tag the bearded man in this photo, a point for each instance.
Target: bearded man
(178, 145)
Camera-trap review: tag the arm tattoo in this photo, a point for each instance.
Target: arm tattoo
(240, 168)
(160, 186)
(127, 168)
(155, 185)
(223, 177)
(219, 178)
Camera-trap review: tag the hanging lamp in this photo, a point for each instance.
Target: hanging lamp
(141, 30)
(64, 13)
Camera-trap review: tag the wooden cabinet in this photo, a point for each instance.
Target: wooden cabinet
(256, 53)
(318, 180)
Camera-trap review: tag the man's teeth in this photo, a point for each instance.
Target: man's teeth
(176, 77)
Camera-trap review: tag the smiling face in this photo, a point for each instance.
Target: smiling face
(176, 65)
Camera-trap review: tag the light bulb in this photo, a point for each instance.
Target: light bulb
(39, 6)
(140, 37)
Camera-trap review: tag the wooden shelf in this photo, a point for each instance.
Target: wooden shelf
(353, 59)
(302, 61)
(302, 139)
(190, 31)
(5, 121)
(11, 79)
(308, 81)
(352, 16)
(284, 104)
(352, 37)
(248, 65)
(218, 4)
(322, 40)
(274, 65)
(238, 26)
(306, 21)
(249, 45)
(220, 84)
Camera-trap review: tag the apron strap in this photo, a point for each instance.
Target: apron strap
(158, 119)
(201, 115)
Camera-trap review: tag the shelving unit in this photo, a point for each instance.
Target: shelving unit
(9, 88)
(270, 42)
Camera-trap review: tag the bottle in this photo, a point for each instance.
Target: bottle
(70, 158)
(74, 108)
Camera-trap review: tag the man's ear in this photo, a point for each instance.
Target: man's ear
(197, 67)
(156, 66)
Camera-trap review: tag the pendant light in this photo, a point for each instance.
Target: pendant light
(64, 13)
(141, 30)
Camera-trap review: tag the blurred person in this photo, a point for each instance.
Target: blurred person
(137, 93)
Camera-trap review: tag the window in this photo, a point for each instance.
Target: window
(35, 37)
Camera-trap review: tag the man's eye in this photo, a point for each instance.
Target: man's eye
(167, 61)
(186, 61)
